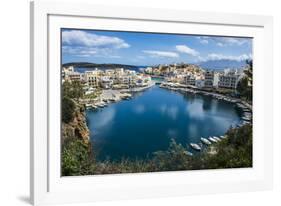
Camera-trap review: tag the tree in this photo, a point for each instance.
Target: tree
(73, 90)
(249, 72)
(175, 158)
(68, 109)
(244, 86)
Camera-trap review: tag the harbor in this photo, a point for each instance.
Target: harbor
(139, 119)
(244, 107)
(109, 96)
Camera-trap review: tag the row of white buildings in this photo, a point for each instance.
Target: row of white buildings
(228, 78)
(212, 79)
(109, 78)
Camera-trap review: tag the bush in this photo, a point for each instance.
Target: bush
(68, 109)
(73, 90)
(175, 158)
(76, 158)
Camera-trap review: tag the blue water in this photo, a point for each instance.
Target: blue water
(144, 124)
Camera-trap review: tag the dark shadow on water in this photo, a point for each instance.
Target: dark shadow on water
(24, 199)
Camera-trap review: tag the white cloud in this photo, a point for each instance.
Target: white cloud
(214, 56)
(84, 44)
(220, 44)
(187, 50)
(86, 39)
(164, 54)
(224, 41)
(79, 51)
(230, 41)
(203, 39)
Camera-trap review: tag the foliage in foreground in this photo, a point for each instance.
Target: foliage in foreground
(232, 152)
(244, 86)
(68, 109)
(76, 158)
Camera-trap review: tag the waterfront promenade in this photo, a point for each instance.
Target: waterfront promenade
(194, 90)
(108, 96)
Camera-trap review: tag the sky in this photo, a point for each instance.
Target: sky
(143, 49)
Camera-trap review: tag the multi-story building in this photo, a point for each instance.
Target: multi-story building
(142, 80)
(119, 71)
(92, 78)
(229, 79)
(76, 76)
(211, 79)
(189, 80)
(66, 70)
(148, 70)
(106, 82)
(216, 79)
(200, 83)
(109, 72)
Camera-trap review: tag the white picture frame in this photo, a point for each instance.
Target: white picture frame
(46, 184)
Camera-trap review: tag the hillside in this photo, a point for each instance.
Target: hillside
(88, 65)
(222, 64)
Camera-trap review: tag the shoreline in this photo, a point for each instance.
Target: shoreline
(243, 106)
(184, 88)
(235, 125)
(109, 96)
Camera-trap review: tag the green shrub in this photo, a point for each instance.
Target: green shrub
(68, 109)
(76, 158)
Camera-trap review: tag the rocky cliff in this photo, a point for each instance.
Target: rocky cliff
(77, 128)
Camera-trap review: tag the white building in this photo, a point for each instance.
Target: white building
(106, 82)
(92, 78)
(211, 79)
(229, 79)
(189, 80)
(200, 83)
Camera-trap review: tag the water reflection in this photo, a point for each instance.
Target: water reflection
(148, 121)
(170, 111)
(139, 109)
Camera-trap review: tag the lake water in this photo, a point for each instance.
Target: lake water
(146, 123)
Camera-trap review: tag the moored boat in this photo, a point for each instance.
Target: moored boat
(212, 139)
(205, 141)
(195, 146)
(217, 138)
(223, 136)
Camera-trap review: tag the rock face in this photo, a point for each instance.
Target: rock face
(77, 128)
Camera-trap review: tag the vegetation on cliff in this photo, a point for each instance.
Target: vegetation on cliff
(74, 126)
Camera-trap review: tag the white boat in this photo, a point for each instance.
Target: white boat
(223, 136)
(188, 153)
(88, 105)
(100, 104)
(93, 106)
(195, 146)
(205, 141)
(212, 139)
(246, 118)
(217, 138)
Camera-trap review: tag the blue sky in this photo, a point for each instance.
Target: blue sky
(136, 48)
